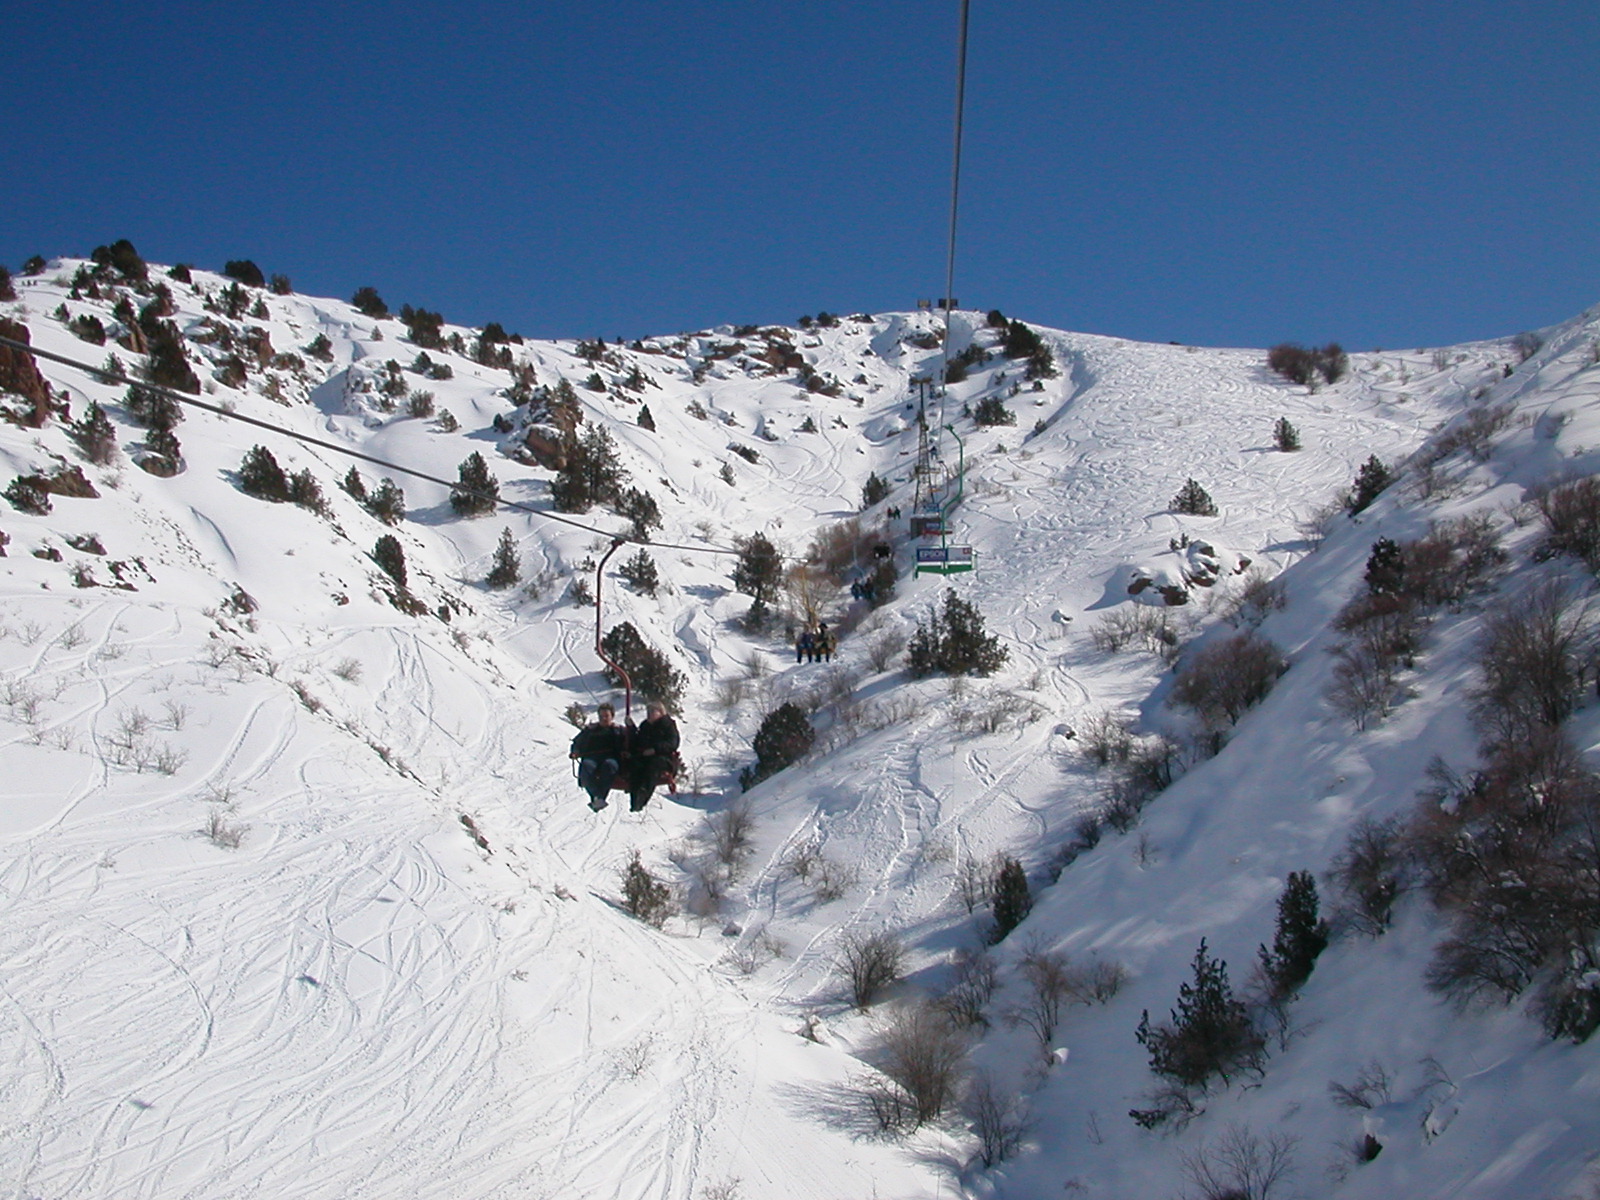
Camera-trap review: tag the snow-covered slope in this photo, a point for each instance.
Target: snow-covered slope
(360, 998)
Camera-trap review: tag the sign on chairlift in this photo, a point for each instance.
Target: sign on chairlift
(945, 560)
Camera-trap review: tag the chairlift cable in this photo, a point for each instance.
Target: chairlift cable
(955, 197)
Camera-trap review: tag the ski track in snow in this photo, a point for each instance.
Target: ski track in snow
(358, 1001)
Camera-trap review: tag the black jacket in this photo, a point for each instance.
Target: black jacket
(657, 738)
(600, 742)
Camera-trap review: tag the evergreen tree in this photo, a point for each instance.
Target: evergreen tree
(646, 421)
(477, 491)
(507, 568)
(592, 472)
(653, 675)
(785, 737)
(1371, 479)
(1012, 899)
(260, 475)
(369, 303)
(168, 365)
(993, 411)
(388, 503)
(759, 571)
(1300, 937)
(1285, 436)
(163, 443)
(305, 491)
(874, 490)
(245, 271)
(641, 509)
(954, 642)
(640, 572)
(151, 408)
(1193, 500)
(95, 435)
(1210, 1031)
(1386, 568)
(391, 557)
(353, 486)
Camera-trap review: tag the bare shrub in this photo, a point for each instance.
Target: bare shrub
(1257, 598)
(1049, 989)
(1371, 873)
(870, 963)
(923, 1058)
(1239, 1166)
(975, 880)
(1363, 687)
(1473, 433)
(803, 860)
(1222, 680)
(1321, 520)
(969, 995)
(1532, 655)
(1370, 1088)
(1571, 513)
(728, 833)
(1097, 982)
(1140, 625)
(996, 711)
(831, 880)
(884, 647)
(349, 670)
(842, 548)
(1105, 738)
(223, 833)
(998, 1121)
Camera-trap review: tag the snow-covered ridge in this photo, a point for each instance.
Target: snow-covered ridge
(357, 999)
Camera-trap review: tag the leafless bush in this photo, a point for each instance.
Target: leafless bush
(1473, 433)
(1370, 1088)
(1321, 520)
(1139, 625)
(753, 952)
(975, 880)
(884, 647)
(870, 963)
(1256, 598)
(1571, 513)
(176, 715)
(1049, 989)
(22, 699)
(728, 833)
(995, 711)
(998, 1121)
(1371, 873)
(1097, 982)
(922, 1056)
(842, 547)
(803, 860)
(1363, 687)
(1239, 1166)
(1221, 681)
(1532, 655)
(223, 833)
(831, 880)
(349, 670)
(1105, 738)
(969, 995)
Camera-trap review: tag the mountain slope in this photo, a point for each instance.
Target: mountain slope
(360, 999)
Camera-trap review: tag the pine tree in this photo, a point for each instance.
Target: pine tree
(592, 472)
(369, 303)
(478, 491)
(784, 737)
(954, 642)
(1300, 937)
(260, 475)
(388, 503)
(640, 572)
(653, 675)
(646, 421)
(759, 571)
(874, 490)
(1285, 436)
(641, 509)
(305, 491)
(95, 435)
(1012, 899)
(1193, 500)
(1386, 568)
(353, 486)
(1210, 1031)
(163, 443)
(1371, 479)
(507, 568)
(391, 557)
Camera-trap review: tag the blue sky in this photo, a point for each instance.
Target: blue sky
(1404, 173)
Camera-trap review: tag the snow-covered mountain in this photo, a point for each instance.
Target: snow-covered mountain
(301, 898)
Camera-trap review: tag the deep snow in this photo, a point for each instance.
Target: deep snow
(357, 1000)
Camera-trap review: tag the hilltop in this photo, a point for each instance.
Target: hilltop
(302, 899)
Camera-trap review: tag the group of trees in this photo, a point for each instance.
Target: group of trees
(1299, 365)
